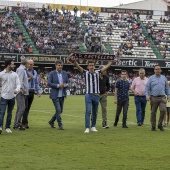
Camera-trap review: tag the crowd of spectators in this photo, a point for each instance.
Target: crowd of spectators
(11, 37)
(133, 34)
(58, 31)
(159, 35)
(53, 31)
(92, 36)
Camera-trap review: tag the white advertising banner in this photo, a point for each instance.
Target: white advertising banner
(21, 4)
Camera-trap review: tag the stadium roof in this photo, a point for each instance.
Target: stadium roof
(167, 2)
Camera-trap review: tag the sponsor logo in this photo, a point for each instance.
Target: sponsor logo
(129, 62)
(150, 64)
(167, 64)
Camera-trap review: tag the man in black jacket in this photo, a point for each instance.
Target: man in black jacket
(104, 87)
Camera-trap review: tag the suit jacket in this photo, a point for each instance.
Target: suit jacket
(53, 82)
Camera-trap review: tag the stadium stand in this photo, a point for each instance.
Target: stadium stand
(12, 39)
(159, 32)
(122, 32)
(58, 32)
(52, 32)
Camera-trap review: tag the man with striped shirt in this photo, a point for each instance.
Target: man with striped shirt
(92, 92)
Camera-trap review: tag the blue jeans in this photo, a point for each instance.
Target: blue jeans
(92, 102)
(58, 104)
(140, 102)
(3, 104)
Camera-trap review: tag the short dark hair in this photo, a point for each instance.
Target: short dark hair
(8, 62)
(91, 61)
(58, 62)
(123, 71)
(157, 66)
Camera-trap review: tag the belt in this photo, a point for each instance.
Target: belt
(94, 94)
(159, 96)
(140, 96)
(31, 90)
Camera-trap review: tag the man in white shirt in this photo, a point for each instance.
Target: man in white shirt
(10, 87)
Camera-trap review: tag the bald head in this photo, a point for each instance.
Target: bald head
(31, 64)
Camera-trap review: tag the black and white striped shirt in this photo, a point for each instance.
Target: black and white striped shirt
(92, 81)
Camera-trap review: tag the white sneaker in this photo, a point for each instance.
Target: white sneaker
(105, 126)
(8, 130)
(94, 129)
(0, 130)
(87, 130)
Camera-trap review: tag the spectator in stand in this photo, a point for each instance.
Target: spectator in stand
(75, 11)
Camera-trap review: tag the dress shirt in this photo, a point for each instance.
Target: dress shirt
(10, 82)
(123, 87)
(139, 84)
(60, 79)
(157, 86)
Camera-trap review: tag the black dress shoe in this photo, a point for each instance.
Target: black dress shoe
(115, 124)
(139, 124)
(61, 128)
(124, 126)
(153, 128)
(51, 124)
(21, 128)
(26, 126)
(160, 127)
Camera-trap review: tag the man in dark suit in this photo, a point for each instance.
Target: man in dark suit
(58, 80)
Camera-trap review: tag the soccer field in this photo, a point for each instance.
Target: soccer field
(116, 148)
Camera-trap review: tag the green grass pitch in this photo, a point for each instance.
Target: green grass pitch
(44, 148)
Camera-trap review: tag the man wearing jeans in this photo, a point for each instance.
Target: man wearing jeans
(92, 91)
(10, 87)
(58, 80)
(138, 88)
(122, 98)
(155, 91)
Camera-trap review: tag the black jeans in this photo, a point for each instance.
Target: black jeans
(29, 99)
(122, 104)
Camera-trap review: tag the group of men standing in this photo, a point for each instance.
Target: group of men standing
(20, 85)
(155, 89)
(23, 83)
